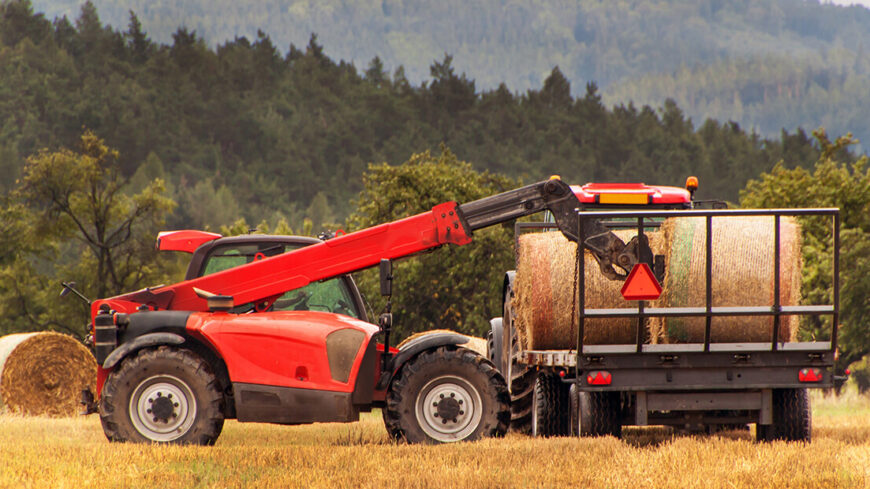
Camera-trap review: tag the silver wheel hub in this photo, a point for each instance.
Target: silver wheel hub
(449, 408)
(162, 408)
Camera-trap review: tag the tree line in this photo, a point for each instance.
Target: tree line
(241, 130)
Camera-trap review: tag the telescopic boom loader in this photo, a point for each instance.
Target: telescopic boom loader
(272, 329)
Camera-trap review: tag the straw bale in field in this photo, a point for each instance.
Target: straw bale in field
(474, 344)
(743, 273)
(544, 291)
(44, 373)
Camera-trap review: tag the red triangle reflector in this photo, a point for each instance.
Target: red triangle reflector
(641, 284)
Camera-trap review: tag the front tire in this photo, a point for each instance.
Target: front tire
(445, 395)
(162, 395)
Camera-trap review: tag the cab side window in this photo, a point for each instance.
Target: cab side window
(332, 295)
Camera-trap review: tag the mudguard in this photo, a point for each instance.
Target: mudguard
(150, 339)
(414, 347)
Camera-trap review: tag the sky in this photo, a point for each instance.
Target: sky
(865, 3)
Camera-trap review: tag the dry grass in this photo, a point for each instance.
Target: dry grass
(72, 452)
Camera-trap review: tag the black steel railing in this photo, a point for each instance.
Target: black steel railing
(641, 312)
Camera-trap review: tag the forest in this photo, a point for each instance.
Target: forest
(766, 64)
(242, 130)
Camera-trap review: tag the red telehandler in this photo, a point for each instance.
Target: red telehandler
(272, 329)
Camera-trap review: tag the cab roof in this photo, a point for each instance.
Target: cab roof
(630, 194)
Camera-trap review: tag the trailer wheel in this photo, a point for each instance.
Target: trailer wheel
(581, 419)
(604, 414)
(551, 406)
(792, 419)
(445, 395)
(162, 395)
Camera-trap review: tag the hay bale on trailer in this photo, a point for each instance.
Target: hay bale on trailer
(544, 294)
(743, 275)
(44, 373)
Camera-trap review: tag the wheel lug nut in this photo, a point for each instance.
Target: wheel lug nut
(442, 396)
(461, 412)
(175, 404)
(435, 414)
(148, 411)
(444, 420)
(434, 404)
(460, 401)
(155, 419)
(452, 395)
(150, 400)
(169, 396)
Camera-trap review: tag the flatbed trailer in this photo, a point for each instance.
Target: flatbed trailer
(597, 389)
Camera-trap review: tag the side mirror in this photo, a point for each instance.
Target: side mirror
(386, 277)
(67, 288)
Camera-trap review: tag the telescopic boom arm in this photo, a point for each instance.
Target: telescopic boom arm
(263, 281)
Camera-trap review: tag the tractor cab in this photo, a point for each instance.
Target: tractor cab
(214, 253)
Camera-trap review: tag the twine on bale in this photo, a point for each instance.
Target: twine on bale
(743, 275)
(44, 373)
(545, 293)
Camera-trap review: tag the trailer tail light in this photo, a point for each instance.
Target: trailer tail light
(598, 377)
(810, 375)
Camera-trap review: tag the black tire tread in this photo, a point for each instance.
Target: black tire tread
(605, 414)
(792, 417)
(494, 426)
(552, 405)
(109, 402)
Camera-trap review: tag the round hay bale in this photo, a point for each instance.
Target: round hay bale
(44, 373)
(743, 275)
(474, 343)
(544, 294)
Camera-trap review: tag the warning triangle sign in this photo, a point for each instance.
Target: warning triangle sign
(641, 284)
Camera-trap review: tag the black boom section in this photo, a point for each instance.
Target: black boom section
(557, 197)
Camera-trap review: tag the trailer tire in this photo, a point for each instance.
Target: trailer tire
(581, 420)
(146, 382)
(792, 418)
(444, 382)
(604, 414)
(551, 407)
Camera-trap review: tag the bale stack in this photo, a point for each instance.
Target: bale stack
(544, 290)
(743, 275)
(44, 373)
(743, 265)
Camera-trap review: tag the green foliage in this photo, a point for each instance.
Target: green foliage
(241, 131)
(832, 183)
(82, 226)
(453, 287)
(766, 64)
(860, 374)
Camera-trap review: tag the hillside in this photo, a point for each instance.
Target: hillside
(639, 50)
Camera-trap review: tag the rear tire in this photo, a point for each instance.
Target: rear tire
(792, 418)
(445, 395)
(551, 407)
(581, 420)
(162, 395)
(604, 414)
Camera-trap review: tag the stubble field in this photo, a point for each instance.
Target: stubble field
(73, 453)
